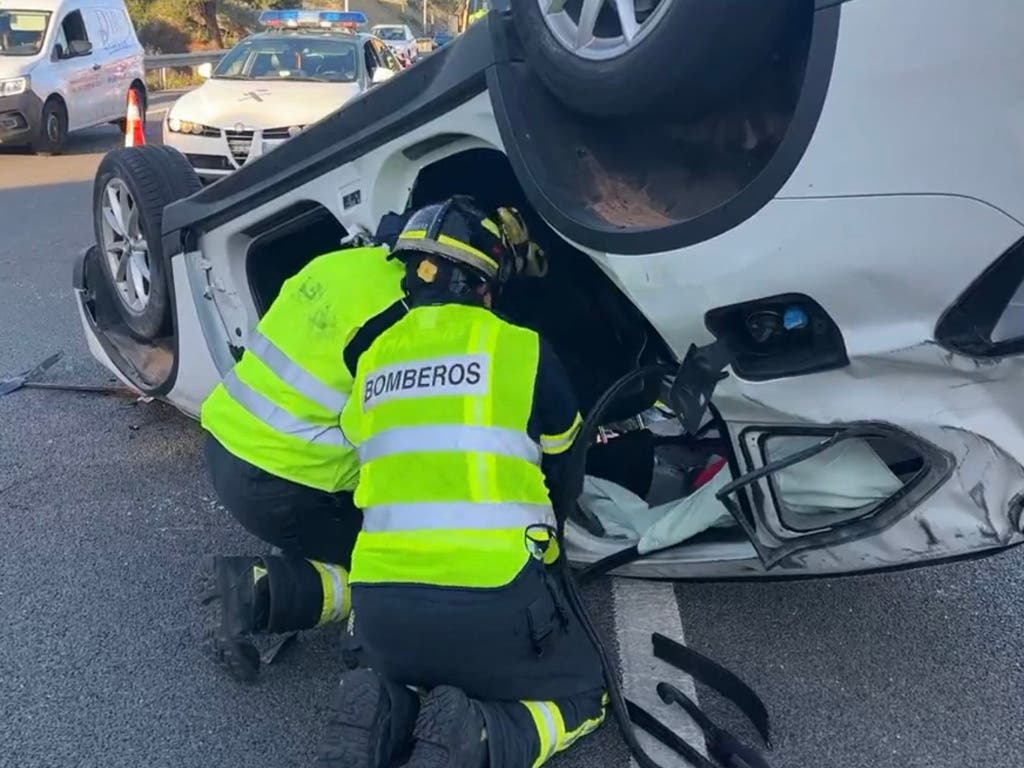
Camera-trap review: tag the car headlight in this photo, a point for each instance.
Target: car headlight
(14, 86)
(176, 125)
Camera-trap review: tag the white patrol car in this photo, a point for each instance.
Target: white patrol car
(270, 86)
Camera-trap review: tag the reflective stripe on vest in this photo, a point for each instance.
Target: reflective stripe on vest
(450, 479)
(450, 437)
(279, 419)
(294, 375)
(434, 515)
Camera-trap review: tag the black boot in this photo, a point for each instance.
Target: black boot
(242, 612)
(449, 732)
(371, 725)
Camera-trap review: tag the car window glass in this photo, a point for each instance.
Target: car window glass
(22, 32)
(73, 27)
(291, 58)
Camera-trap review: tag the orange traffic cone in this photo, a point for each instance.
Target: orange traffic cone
(134, 131)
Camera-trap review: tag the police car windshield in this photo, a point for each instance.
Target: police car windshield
(326, 59)
(22, 32)
(390, 33)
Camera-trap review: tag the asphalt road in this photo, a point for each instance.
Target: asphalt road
(106, 516)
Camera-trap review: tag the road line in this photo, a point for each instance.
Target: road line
(641, 608)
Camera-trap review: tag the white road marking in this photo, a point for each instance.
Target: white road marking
(641, 608)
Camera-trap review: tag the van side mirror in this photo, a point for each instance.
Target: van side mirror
(79, 48)
(382, 75)
(205, 70)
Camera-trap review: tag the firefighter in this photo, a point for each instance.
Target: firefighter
(460, 419)
(278, 459)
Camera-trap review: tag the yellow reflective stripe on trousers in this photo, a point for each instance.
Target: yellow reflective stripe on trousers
(279, 419)
(547, 719)
(334, 582)
(467, 515)
(555, 444)
(294, 375)
(450, 437)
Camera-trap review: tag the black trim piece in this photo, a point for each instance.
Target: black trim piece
(773, 489)
(967, 326)
(938, 465)
(441, 82)
(501, 83)
(99, 318)
(714, 675)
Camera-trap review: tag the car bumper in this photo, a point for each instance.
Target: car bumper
(19, 118)
(214, 157)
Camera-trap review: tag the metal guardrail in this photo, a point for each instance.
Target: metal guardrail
(169, 60)
(164, 61)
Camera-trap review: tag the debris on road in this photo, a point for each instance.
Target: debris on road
(26, 380)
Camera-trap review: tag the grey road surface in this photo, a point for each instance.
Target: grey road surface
(106, 516)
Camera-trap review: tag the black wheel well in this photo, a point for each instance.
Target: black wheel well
(596, 330)
(56, 97)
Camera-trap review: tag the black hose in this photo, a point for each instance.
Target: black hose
(571, 485)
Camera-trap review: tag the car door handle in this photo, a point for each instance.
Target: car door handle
(95, 67)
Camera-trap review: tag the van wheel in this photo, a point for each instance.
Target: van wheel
(53, 129)
(132, 188)
(615, 58)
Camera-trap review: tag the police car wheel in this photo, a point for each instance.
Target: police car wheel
(132, 188)
(611, 59)
(53, 129)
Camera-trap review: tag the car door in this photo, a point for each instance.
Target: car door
(797, 488)
(78, 68)
(387, 57)
(111, 89)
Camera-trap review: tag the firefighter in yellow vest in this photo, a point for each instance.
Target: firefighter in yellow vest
(278, 458)
(460, 419)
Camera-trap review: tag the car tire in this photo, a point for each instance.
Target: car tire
(53, 128)
(692, 52)
(131, 190)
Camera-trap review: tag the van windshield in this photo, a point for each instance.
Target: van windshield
(22, 32)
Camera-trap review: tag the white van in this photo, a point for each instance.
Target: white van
(65, 65)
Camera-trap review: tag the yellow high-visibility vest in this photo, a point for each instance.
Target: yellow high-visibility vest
(279, 408)
(449, 477)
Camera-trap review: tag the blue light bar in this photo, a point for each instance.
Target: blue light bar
(343, 17)
(295, 18)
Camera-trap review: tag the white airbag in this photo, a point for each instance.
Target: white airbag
(848, 476)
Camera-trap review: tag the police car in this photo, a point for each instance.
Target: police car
(269, 87)
(840, 233)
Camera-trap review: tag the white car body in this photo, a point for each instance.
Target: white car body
(92, 86)
(241, 119)
(903, 189)
(405, 45)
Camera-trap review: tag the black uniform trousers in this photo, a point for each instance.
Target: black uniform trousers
(303, 522)
(518, 651)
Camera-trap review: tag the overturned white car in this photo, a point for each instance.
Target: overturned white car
(825, 193)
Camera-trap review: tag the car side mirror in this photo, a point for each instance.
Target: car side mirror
(381, 75)
(79, 48)
(205, 70)
(58, 52)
